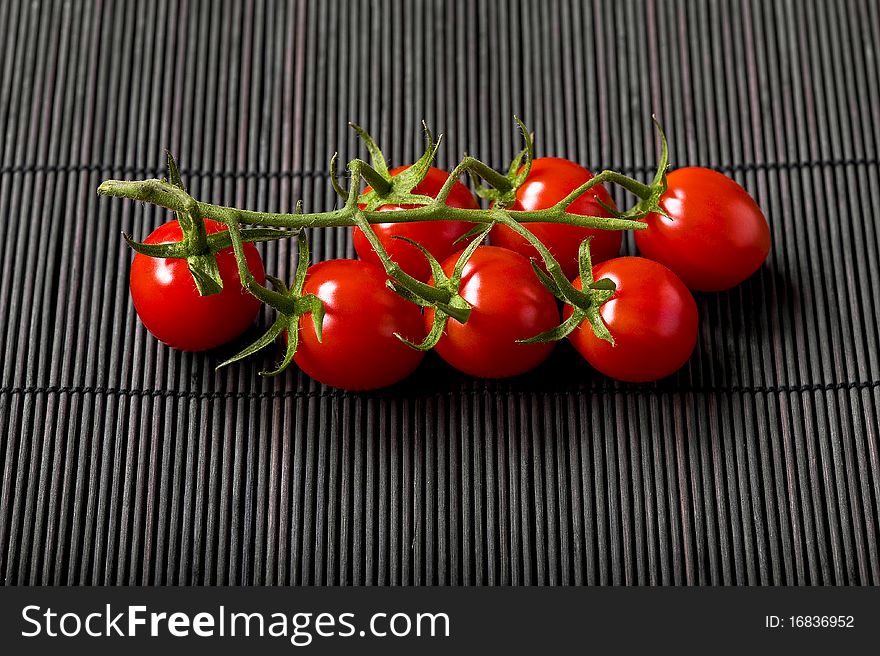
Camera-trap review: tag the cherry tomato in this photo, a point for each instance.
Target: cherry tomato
(508, 304)
(717, 236)
(168, 303)
(550, 180)
(652, 317)
(359, 350)
(438, 237)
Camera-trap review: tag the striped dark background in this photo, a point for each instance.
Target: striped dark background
(125, 462)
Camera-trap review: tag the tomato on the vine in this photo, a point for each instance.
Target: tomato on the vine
(358, 350)
(169, 305)
(652, 318)
(508, 303)
(717, 235)
(438, 237)
(550, 180)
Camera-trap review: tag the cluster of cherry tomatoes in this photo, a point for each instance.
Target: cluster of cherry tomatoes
(713, 238)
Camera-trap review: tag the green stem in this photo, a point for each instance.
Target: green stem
(490, 175)
(165, 195)
(635, 187)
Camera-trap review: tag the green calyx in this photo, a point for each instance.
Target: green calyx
(648, 194)
(290, 304)
(586, 302)
(385, 189)
(201, 262)
(500, 190)
(452, 304)
(197, 246)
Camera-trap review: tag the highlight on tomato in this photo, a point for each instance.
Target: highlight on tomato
(715, 237)
(359, 349)
(508, 303)
(169, 305)
(549, 181)
(651, 316)
(438, 237)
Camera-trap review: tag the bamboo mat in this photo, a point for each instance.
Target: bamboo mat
(124, 462)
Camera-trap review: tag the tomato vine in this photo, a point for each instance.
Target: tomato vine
(361, 208)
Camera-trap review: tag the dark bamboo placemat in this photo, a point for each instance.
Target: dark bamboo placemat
(125, 462)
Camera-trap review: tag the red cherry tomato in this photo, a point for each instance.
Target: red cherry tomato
(717, 236)
(359, 350)
(550, 180)
(652, 317)
(168, 303)
(508, 304)
(438, 237)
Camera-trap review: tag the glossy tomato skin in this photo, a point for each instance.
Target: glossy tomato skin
(508, 303)
(168, 303)
(438, 237)
(652, 317)
(717, 236)
(359, 350)
(550, 180)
